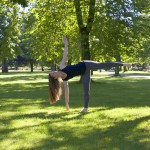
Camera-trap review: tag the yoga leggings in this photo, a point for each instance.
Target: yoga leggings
(86, 77)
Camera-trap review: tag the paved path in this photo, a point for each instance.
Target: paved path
(129, 75)
(136, 76)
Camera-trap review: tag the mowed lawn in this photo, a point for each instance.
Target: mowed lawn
(118, 117)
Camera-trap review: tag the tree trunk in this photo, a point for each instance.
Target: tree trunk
(69, 62)
(42, 68)
(117, 69)
(16, 65)
(4, 65)
(124, 69)
(85, 45)
(31, 65)
(85, 29)
(53, 66)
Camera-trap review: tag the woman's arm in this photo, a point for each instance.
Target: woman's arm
(63, 65)
(66, 94)
(65, 53)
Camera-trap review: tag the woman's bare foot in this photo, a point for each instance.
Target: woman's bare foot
(84, 110)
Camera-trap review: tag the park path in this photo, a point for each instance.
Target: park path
(128, 75)
(136, 76)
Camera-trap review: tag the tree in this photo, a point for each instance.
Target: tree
(85, 24)
(27, 39)
(51, 23)
(9, 36)
(114, 34)
(50, 29)
(107, 29)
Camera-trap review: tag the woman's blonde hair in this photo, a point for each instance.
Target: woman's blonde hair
(54, 89)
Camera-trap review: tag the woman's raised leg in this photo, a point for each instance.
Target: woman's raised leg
(92, 65)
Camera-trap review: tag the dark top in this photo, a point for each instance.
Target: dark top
(74, 70)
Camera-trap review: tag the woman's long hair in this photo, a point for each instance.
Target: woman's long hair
(54, 89)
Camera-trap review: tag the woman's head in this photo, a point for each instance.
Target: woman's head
(54, 89)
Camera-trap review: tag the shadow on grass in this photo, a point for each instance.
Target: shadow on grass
(119, 137)
(103, 93)
(15, 96)
(28, 77)
(122, 136)
(108, 93)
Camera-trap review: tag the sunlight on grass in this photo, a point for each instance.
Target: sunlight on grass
(116, 120)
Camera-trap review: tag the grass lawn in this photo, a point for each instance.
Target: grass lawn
(118, 117)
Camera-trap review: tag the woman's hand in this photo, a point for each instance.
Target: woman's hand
(65, 40)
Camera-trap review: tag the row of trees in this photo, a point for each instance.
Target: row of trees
(101, 30)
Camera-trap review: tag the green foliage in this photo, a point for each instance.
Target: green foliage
(10, 31)
(24, 3)
(120, 28)
(46, 24)
(115, 30)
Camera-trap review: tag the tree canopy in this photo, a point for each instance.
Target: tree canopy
(106, 30)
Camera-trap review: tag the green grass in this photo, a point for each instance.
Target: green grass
(118, 117)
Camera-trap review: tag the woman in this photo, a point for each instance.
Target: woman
(65, 73)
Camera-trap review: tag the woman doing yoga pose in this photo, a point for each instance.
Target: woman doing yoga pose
(65, 73)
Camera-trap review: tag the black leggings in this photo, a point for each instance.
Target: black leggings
(86, 77)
